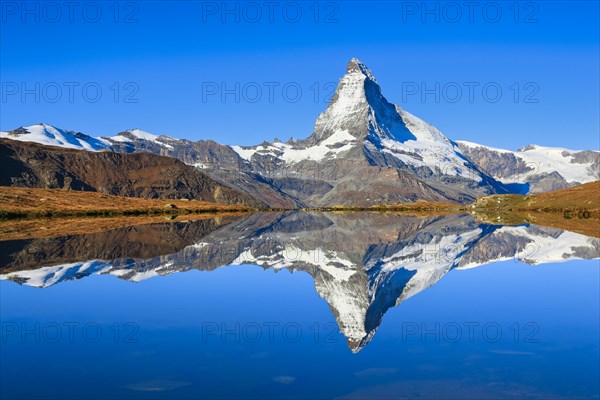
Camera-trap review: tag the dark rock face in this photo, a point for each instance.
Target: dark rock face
(584, 157)
(546, 182)
(500, 165)
(206, 153)
(133, 175)
(303, 188)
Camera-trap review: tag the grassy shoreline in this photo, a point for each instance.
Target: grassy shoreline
(17, 203)
(573, 207)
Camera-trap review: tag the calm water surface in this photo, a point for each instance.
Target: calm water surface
(302, 305)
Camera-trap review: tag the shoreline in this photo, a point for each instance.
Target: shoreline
(576, 208)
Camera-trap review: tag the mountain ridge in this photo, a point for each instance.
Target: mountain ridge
(143, 175)
(363, 151)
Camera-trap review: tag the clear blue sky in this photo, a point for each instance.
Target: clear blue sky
(174, 53)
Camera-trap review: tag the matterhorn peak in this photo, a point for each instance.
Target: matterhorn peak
(359, 109)
(355, 66)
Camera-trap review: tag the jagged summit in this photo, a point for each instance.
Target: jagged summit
(359, 109)
(356, 66)
(361, 128)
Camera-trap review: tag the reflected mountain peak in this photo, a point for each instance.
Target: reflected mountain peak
(362, 263)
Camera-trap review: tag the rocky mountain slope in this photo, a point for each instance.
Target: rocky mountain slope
(218, 161)
(132, 175)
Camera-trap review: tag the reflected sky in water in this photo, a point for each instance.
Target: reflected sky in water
(298, 305)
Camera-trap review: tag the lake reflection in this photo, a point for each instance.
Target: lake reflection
(362, 265)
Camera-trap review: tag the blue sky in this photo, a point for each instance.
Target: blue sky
(187, 70)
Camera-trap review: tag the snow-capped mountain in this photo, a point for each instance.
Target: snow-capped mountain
(362, 263)
(360, 118)
(51, 136)
(363, 151)
(141, 175)
(542, 168)
(366, 151)
(133, 140)
(217, 161)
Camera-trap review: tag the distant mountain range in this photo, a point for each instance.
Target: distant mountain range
(363, 151)
(362, 263)
(542, 168)
(141, 174)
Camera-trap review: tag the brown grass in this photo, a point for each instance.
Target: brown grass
(575, 209)
(584, 197)
(26, 202)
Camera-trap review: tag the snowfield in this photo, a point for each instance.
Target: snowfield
(545, 160)
(50, 136)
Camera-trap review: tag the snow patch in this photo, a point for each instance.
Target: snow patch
(331, 147)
